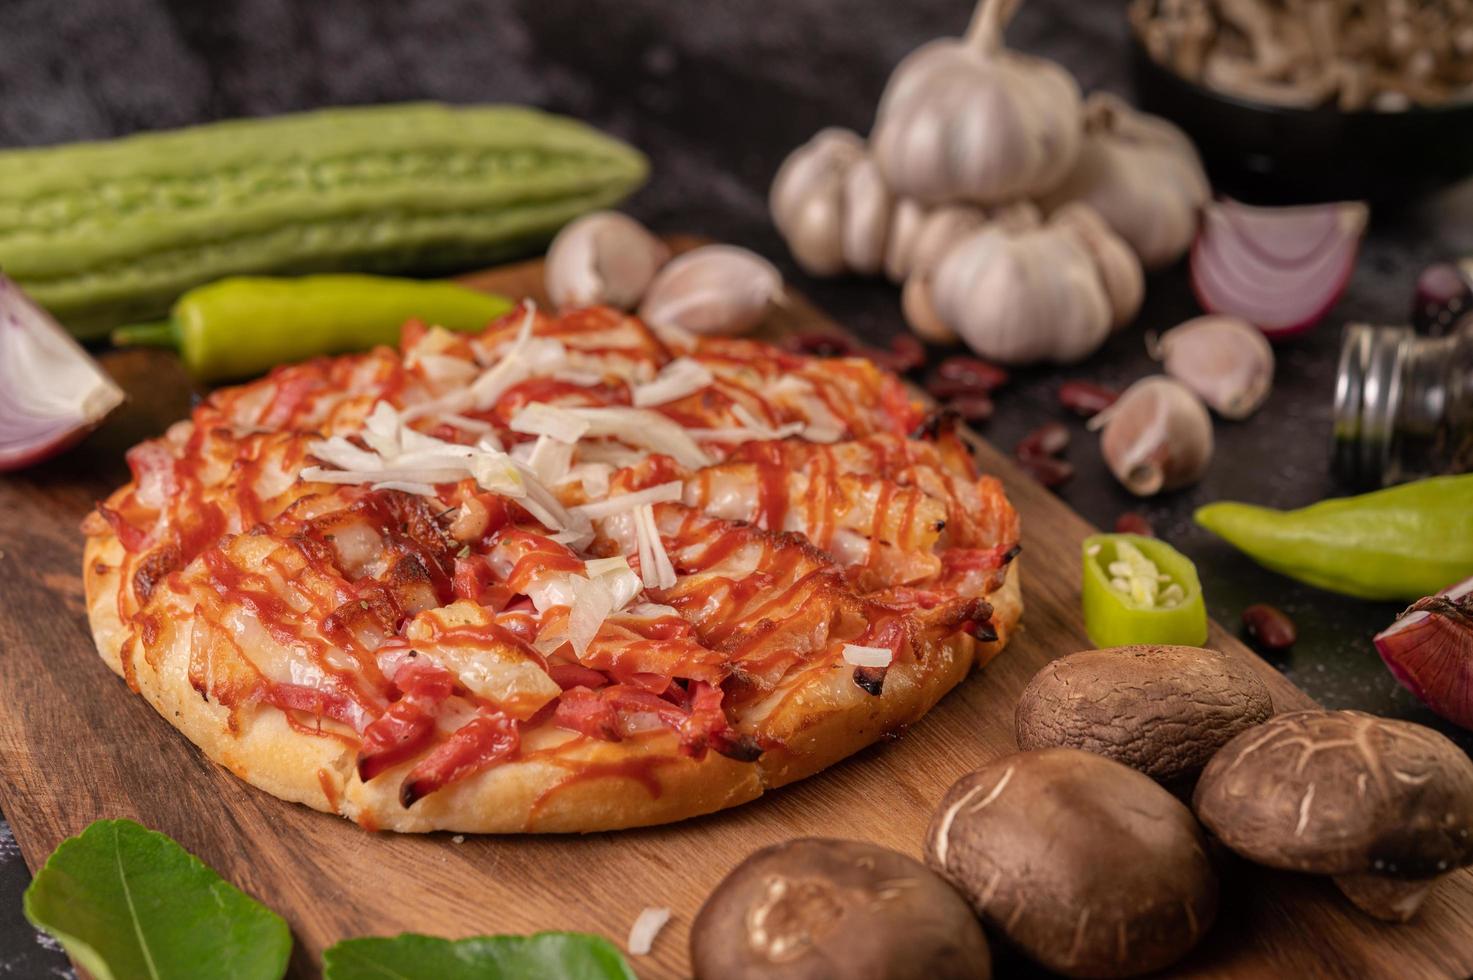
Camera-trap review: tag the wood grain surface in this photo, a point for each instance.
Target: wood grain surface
(77, 746)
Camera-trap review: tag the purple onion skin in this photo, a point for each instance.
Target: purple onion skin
(1429, 650)
(34, 424)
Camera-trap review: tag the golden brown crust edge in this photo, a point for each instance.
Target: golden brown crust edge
(582, 786)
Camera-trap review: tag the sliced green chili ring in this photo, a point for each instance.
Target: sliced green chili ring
(1115, 618)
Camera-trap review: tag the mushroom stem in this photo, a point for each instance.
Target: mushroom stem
(1388, 899)
(989, 19)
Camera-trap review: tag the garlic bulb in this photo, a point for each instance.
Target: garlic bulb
(1143, 176)
(1227, 361)
(1157, 436)
(929, 237)
(807, 199)
(602, 258)
(1023, 295)
(967, 120)
(1120, 270)
(714, 289)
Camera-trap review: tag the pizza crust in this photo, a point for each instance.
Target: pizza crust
(580, 785)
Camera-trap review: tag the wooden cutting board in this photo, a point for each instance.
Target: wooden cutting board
(76, 746)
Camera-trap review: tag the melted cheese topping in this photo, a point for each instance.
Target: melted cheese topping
(556, 526)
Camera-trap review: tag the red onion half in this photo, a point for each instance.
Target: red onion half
(51, 392)
(1281, 269)
(1430, 651)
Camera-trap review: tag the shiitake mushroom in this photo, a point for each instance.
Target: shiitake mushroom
(1384, 806)
(1164, 710)
(1084, 864)
(813, 909)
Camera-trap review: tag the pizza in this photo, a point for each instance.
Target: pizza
(568, 574)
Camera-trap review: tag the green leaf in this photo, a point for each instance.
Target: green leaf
(128, 902)
(546, 955)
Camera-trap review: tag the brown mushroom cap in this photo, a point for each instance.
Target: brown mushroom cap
(813, 909)
(1161, 709)
(1342, 793)
(1086, 865)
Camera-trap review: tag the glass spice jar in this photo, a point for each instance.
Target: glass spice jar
(1403, 404)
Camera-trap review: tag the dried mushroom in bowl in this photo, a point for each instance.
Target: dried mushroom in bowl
(1381, 55)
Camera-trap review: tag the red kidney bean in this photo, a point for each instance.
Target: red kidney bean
(1269, 628)
(1051, 471)
(973, 372)
(1085, 399)
(973, 408)
(1048, 439)
(1134, 522)
(818, 344)
(905, 353)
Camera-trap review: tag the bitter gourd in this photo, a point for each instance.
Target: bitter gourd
(109, 232)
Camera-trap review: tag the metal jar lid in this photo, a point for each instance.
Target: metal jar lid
(1368, 395)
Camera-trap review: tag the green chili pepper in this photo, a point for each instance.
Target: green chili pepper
(1402, 543)
(238, 327)
(1140, 590)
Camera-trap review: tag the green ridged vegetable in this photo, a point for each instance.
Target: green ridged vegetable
(112, 232)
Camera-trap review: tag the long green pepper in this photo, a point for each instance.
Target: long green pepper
(113, 232)
(239, 327)
(1405, 542)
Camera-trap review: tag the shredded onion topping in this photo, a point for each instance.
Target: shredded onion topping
(647, 926)
(860, 656)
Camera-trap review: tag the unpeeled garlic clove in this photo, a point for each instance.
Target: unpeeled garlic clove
(932, 235)
(602, 258)
(807, 199)
(712, 290)
(905, 226)
(866, 222)
(1226, 360)
(920, 313)
(1157, 436)
(1119, 270)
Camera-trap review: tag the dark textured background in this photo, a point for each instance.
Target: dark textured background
(716, 94)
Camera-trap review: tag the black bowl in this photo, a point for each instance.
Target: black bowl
(1276, 155)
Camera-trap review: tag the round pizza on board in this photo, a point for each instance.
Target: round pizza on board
(564, 575)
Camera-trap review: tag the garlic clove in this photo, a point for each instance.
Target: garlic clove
(939, 230)
(867, 204)
(905, 227)
(816, 238)
(920, 313)
(712, 290)
(1119, 270)
(1224, 359)
(807, 199)
(1157, 436)
(602, 258)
